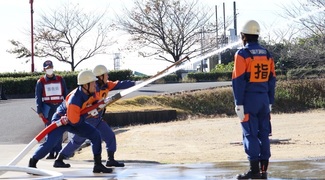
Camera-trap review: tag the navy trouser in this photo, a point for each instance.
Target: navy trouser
(83, 129)
(257, 128)
(57, 148)
(106, 134)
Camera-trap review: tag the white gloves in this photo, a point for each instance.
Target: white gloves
(64, 120)
(240, 112)
(93, 112)
(104, 104)
(239, 109)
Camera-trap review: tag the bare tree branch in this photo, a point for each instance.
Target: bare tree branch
(62, 33)
(306, 44)
(170, 26)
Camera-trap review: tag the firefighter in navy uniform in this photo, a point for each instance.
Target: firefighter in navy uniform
(50, 91)
(70, 114)
(253, 83)
(108, 136)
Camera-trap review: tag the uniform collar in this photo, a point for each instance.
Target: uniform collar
(251, 44)
(85, 96)
(99, 87)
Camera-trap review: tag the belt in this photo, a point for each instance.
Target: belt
(54, 104)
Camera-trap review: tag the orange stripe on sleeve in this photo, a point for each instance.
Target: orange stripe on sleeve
(239, 66)
(111, 84)
(73, 113)
(273, 68)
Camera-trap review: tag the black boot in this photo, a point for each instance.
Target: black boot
(263, 165)
(51, 156)
(32, 162)
(99, 167)
(111, 161)
(253, 173)
(58, 163)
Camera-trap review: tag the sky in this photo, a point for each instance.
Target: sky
(16, 23)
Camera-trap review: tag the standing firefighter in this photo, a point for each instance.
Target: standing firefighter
(253, 82)
(50, 91)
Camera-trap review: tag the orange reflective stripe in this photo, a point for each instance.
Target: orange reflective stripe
(272, 68)
(89, 102)
(260, 69)
(111, 84)
(239, 66)
(73, 113)
(103, 93)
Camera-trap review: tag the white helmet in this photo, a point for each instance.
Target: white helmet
(251, 27)
(85, 77)
(100, 70)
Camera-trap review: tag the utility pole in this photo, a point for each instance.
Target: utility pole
(32, 32)
(202, 48)
(235, 19)
(224, 24)
(217, 35)
(217, 43)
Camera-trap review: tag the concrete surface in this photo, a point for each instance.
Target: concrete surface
(136, 170)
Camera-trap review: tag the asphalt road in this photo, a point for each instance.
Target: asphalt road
(156, 89)
(20, 124)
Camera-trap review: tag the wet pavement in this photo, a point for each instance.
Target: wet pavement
(146, 170)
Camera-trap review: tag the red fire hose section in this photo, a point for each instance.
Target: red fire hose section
(45, 131)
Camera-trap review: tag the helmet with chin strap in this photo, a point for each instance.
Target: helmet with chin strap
(85, 77)
(100, 70)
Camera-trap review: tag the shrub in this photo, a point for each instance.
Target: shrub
(300, 95)
(207, 102)
(306, 73)
(210, 76)
(22, 84)
(290, 96)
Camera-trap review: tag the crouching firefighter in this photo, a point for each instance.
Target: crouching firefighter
(69, 112)
(104, 85)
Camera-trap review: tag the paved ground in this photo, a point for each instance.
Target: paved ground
(20, 124)
(17, 118)
(312, 169)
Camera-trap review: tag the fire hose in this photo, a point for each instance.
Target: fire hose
(111, 99)
(101, 104)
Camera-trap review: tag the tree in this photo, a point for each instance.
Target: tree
(309, 16)
(306, 49)
(167, 26)
(308, 52)
(63, 35)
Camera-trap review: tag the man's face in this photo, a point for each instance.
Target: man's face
(105, 77)
(48, 70)
(92, 87)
